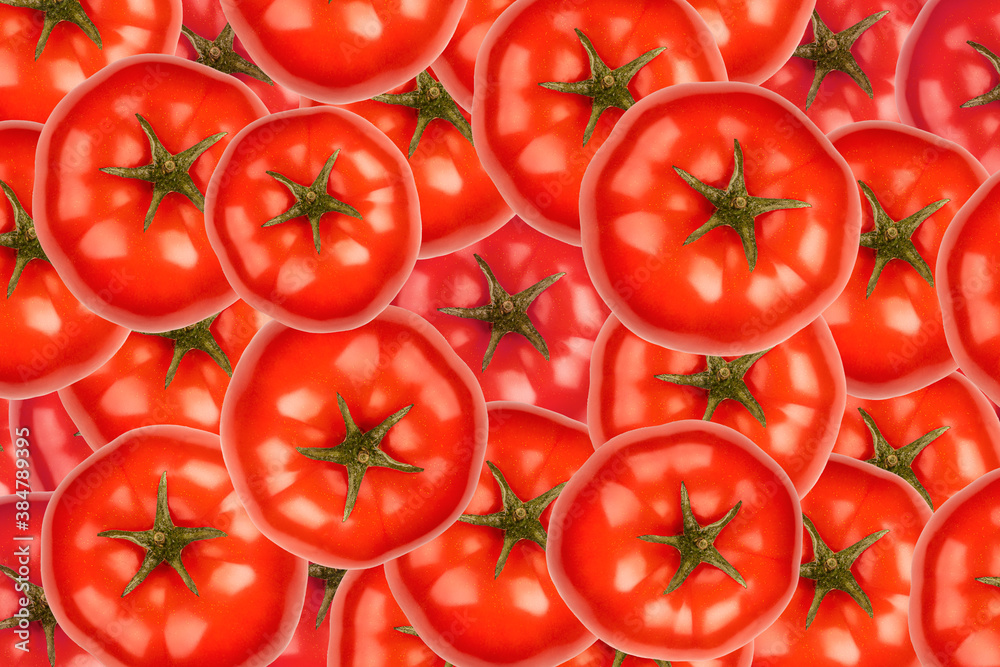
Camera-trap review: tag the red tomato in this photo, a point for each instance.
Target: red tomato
(612, 573)
(954, 615)
(602, 655)
(755, 37)
(797, 387)
(367, 47)
(887, 321)
(941, 77)
(132, 389)
(535, 142)
(49, 339)
(722, 293)
(968, 287)
(406, 490)
(480, 595)
(38, 72)
(91, 222)
(967, 450)
(49, 442)
(310, 643)
(25, 645)
(244, 594)
(567, 315)
(841, 97)
(852, 501)
(315, 217)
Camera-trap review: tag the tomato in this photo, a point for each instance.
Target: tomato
(268, 216)
(367, 47)
(408, 462)
(720, 293)
(968, 288)
(21, 595)
(755, 37)
(39, 70)
(480, 594)
(869, 35)
(241, 596)
(49, 338)
(602, 655)
(949, 37)
(459, 204)
(112, 236)
(44, 435)
(566, 315)
(867, 521)
(951, 419)
(788, 400)
(733, 513)
(310, 643)
(954, 606)
(887, 321)
(538, 124)
(147, 383)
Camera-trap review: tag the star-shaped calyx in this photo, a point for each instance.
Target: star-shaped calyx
(57, 11)
(312, 201)
(22, 239)
(608, 87)
(993, 94)
(723, 379)
(220, 55)
(431, 101)
(167, 172)
(163, 542)
(697, 544)
(359, 451)
(891, 239)
(518, 519)
(832, 52)
(331, 577)
(38, 612)
(506, 313)
(900, 460)
(832, 570)
(734, 207)
(194, 337)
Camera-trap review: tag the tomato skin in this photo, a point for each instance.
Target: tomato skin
(799, 384)
(969, 449)
(272, 406)
(602, 655)
(701, 297)
(529, 138)
(368, 47)
(361, 264)
(851, 500)
(614, 582)
(954, 619)
(90, 223)
(234, 619)
(892, 342)
(48, 440)
(516, 619)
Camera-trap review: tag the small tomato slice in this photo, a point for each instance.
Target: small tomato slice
(242, 595)
(650, 232)
(610, 551)
(372, 451)
(315, 218)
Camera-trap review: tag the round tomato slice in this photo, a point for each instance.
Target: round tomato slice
(372, 451)
(480, 595)
(343, 51)
(114, 235)
(954, 615)
(968, 288)
(230, 597)
(677, 542)
(887, 322)
(651, 236)
(560, 75)
(788, 399)
(315, 218)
